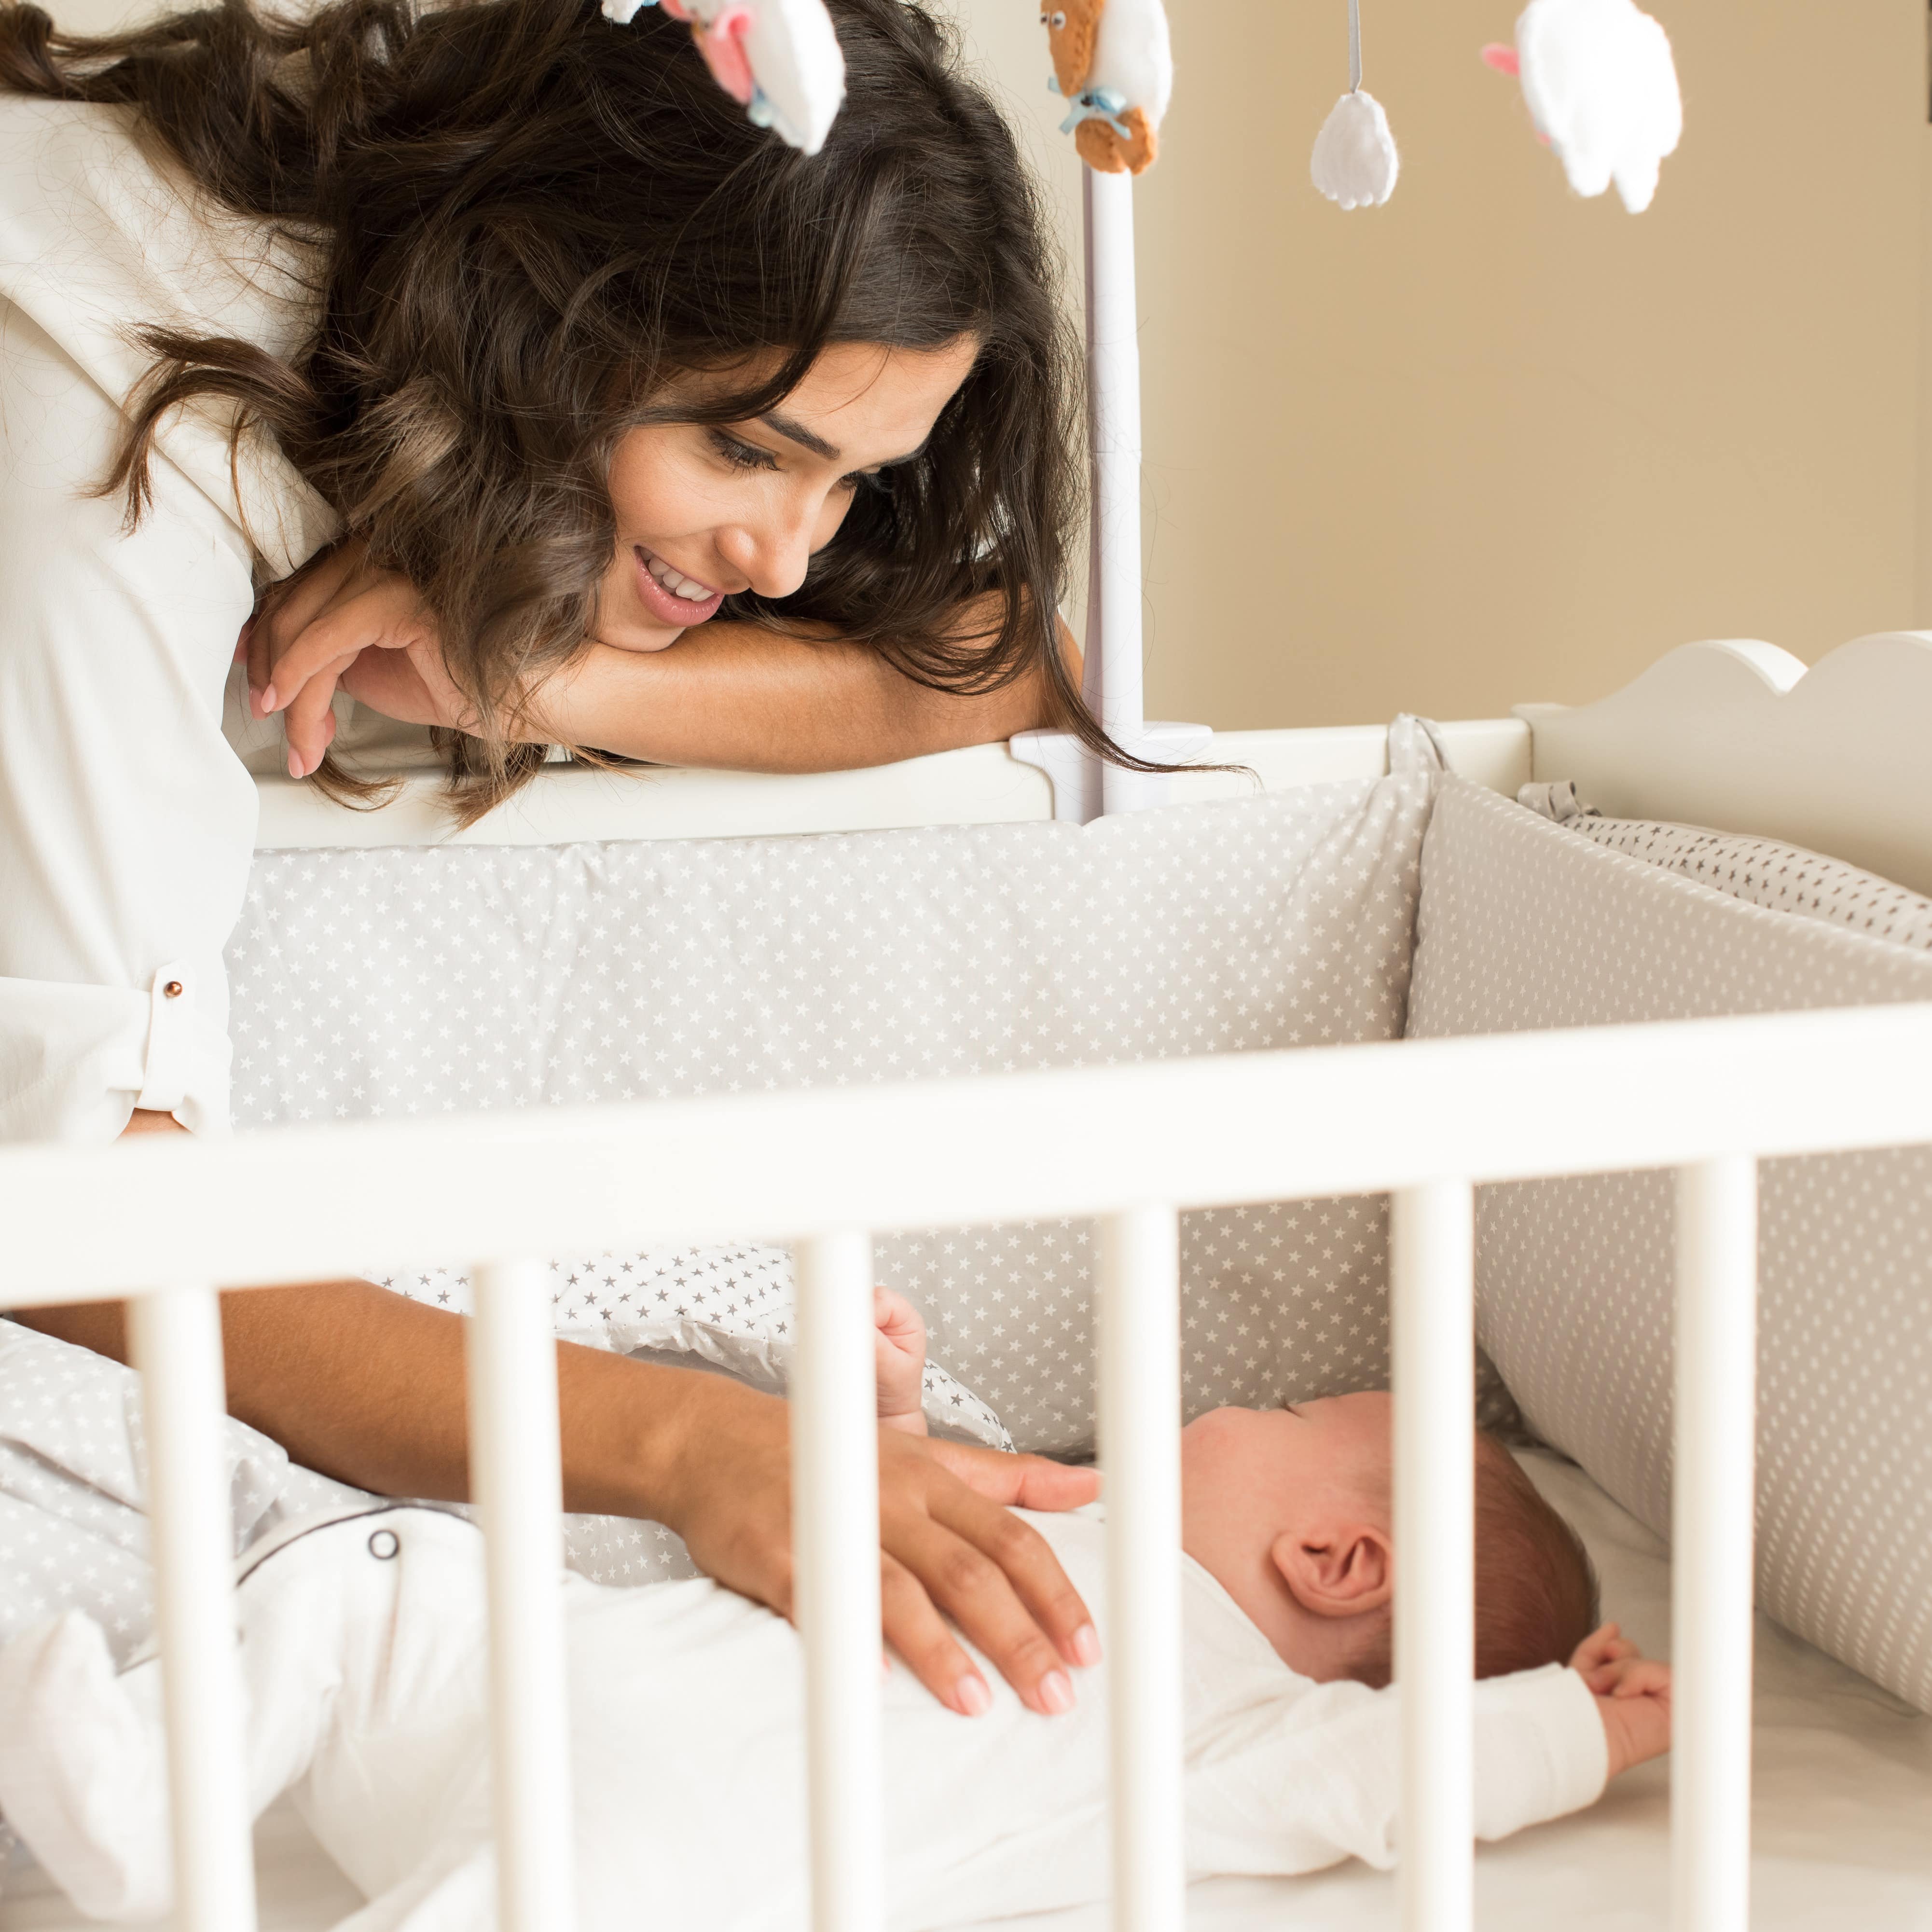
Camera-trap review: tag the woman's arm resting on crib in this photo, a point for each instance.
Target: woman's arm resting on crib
(726, 696)
(734, 698)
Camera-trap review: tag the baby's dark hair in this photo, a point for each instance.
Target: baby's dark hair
(1537, 1594)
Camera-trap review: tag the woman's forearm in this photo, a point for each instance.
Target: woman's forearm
(732, 697)
(369, 1388)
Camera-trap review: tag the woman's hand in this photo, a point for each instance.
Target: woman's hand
(344, 623)
(1633, 1694)
(949, 1547)
(900, 1359)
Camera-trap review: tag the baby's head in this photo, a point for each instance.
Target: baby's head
(1289, 1509)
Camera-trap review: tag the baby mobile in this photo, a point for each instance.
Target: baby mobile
(1597, 78)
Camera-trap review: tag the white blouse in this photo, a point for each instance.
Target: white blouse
(126, 820)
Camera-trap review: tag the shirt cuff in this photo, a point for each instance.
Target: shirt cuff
(77, 1061)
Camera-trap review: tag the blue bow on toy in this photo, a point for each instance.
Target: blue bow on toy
(1095, 104)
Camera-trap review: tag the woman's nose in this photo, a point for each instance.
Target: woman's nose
(774, 552)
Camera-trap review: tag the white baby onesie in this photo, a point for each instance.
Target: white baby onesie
(363, 1649)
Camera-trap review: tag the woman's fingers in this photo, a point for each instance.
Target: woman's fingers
(287, 610)
(920, 1635)
(992, 1573)
(1020, 1482)
(972, 1589)
(308, 723)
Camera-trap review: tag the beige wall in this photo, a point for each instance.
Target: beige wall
(1490, 443)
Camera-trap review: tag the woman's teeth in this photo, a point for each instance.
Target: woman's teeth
(675, 581)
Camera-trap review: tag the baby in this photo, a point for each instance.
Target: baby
(363, 1650)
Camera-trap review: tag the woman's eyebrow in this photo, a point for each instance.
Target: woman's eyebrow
(792, 430)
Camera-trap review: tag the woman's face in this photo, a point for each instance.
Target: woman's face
(704, 511)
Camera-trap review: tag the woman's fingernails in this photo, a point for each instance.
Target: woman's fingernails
(1056, 1693)
(1086, 1646)
(970, 1697)
(294, 766)
(268, 699)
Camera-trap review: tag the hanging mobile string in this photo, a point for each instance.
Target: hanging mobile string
(1355, 163)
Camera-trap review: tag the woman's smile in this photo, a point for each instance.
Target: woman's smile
(669, 595)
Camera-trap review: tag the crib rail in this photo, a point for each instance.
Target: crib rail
(1425, 1120)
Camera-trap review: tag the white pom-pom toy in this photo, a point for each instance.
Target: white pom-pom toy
(780, 58)
(1601, 86)
(1355, 163)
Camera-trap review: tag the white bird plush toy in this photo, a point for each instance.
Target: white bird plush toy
(780, 58)
(1601, 87)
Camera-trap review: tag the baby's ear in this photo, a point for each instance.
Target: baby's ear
(1340, 1571)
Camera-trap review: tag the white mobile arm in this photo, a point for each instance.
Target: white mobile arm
(1131, 92)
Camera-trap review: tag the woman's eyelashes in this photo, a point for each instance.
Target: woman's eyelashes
(742, 455)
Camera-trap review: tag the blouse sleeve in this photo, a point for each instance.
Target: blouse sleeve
(1322, 1781)
(126, 824)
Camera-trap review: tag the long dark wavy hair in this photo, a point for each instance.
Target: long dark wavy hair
(526, 220)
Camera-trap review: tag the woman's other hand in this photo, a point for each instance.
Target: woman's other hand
(343, 623)
(949, 1545)
(900, 1345)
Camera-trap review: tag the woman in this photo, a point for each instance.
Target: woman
(501, 347)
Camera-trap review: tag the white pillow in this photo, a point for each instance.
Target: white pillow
(1524, 923)
(373, 982)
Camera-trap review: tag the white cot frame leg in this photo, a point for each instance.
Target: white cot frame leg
(175, 1336)
(1432, 1314)
(1713, 1543)
(835, 1540)
(1140, 1446)
(517, 1480)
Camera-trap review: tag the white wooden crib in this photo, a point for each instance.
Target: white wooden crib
(1131, 1145)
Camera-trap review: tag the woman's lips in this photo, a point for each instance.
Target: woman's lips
(681, 613)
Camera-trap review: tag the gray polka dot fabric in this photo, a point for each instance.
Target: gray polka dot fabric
(1524, 923)
(1763, 872)
(409, 981)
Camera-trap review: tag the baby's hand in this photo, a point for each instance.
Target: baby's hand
(901, 1362)
(1633, 1694)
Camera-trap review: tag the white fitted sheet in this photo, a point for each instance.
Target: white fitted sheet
(1843, 1809)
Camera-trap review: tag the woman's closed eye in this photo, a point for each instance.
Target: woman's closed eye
(741, 454)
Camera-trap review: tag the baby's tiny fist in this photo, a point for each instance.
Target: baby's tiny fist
(900, 1360)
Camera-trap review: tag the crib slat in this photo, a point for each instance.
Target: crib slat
(1713, 1544)
(836, 1546)
(516, 1479)
(1140, 1449)
(1432, 1370)
(175, 1335)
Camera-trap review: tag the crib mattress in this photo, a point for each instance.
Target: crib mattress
(1843, 1810)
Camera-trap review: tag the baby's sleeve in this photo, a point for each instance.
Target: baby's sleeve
(1322, 1782)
